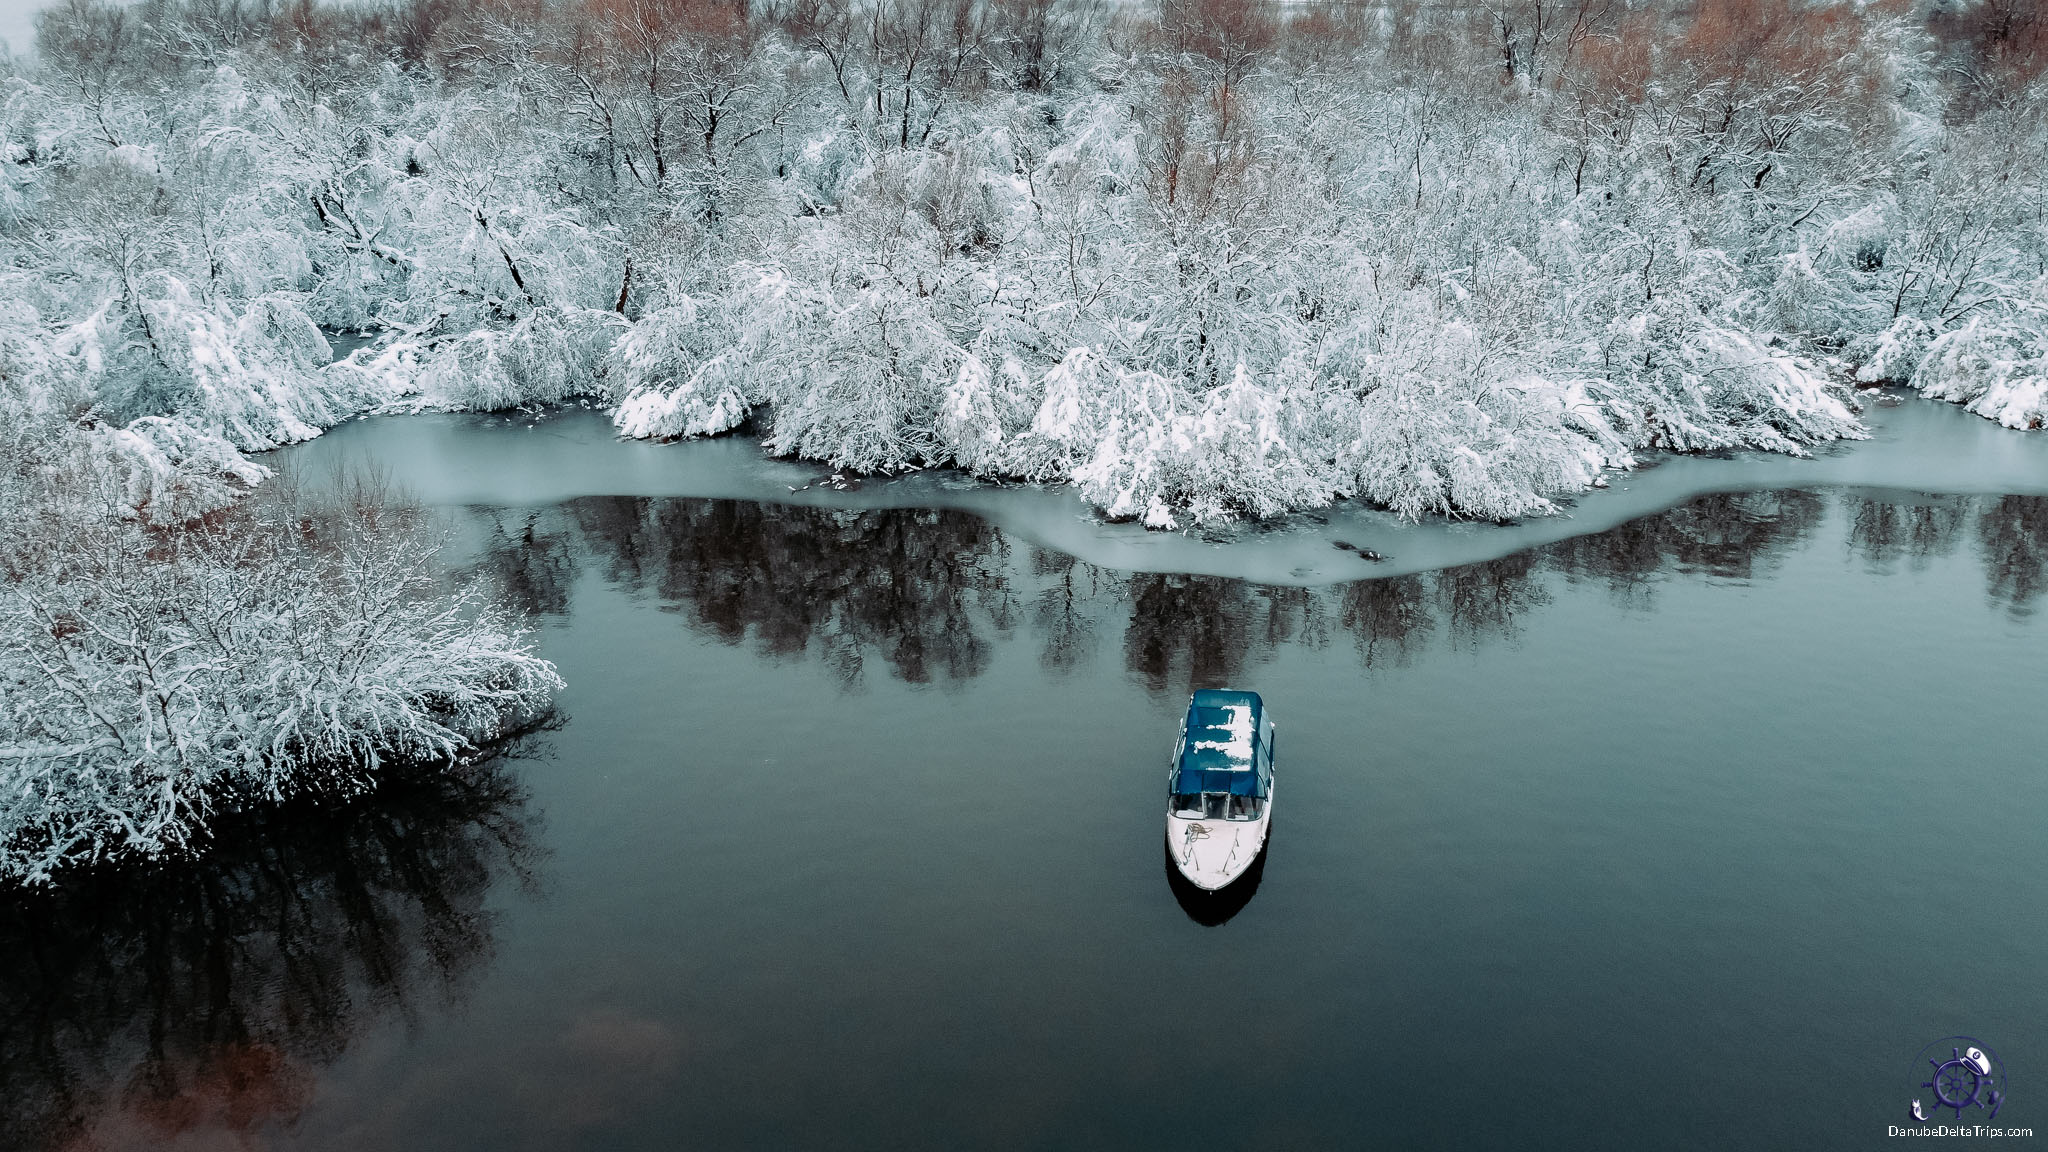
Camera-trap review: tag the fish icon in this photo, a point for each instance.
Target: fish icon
(1975, 1058)
(1917, 1114)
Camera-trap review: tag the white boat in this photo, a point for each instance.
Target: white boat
(1219, 792)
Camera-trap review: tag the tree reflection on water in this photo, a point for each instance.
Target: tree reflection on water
(1887, 531)
(2012, 535)
(195, 1000)
(918, 589)
(1726, 536)
(926, 592)
(1189, 629)
(1060, 615)
(199, 1000)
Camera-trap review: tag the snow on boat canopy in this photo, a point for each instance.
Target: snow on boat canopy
(1220, 788)
(1216, 753)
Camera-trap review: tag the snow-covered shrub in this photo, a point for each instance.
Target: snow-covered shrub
(1860, 240)
(1893, 355)
(172, 644)
(1699, 387)
(1248, 453)
(822, 167)
(1138, 439)
(165, 471)
(547, 355)
(230, 375)
(348, 294)
(26, 364)
(676, 377)
(1080, 398)
(16, 181)
(250, 379)
(1759, 397)
(1440, 433)
(970, 426)
(1998, 370)
(852, 363)
(158, 470)
(289, 647)
(1814, 301)
(1224, 455)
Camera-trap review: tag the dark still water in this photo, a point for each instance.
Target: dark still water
(1688, 834)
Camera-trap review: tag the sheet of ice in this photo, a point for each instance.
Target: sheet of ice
(1917, 445)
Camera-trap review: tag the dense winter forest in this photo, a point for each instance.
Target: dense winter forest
(1201, 259)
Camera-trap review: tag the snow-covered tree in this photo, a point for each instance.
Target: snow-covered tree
(1205, 259)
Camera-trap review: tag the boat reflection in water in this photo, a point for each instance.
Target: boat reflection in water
(1213, 909)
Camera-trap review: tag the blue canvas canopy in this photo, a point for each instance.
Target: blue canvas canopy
(1208, 763)
(1217, 699)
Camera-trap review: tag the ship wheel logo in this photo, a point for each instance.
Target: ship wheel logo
(1957, 1072)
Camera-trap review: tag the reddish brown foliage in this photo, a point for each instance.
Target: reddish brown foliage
(225, 1098)
(1325, 26)
(1232, 33)
(1615, 69)
(1752, 43)
(661, 21)
(2000, 46)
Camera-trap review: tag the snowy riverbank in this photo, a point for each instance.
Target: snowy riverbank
(549, 458)
(156, 673)
(1197, 276)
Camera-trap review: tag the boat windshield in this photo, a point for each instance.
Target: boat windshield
(1217, 806)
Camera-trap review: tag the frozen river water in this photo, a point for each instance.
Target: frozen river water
(1687, 831)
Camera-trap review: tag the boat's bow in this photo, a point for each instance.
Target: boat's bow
(1212, 853)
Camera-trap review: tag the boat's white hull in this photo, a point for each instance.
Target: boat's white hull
(1212, 853)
